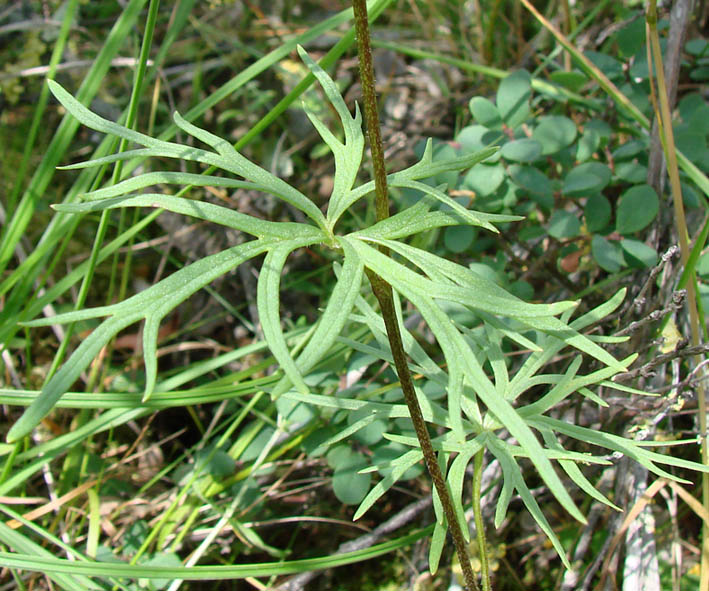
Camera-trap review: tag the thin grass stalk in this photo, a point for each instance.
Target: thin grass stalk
(587, 66)
(568, 30)
(38, 116)
(103, 223)
(383, 292)
(696, 175)
(490, 31)
(668, 144)
(15, 227)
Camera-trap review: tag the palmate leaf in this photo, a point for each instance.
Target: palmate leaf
(514, 479)
(470, 290)
(204, 211)
(226, 158)
(627, 447)
(425, 169)
(457, 352)
(418, 218)
(428, 282)
(454, 346)
(333, 318)
(268, 302)
(348, 155)
(456, 283)
(572, 470)
(152, 305)
(569, 384)
(149, 179)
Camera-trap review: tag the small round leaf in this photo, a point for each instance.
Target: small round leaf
(384, 454)
(294, 412)
(573, 80)
(637, 207)
(585, 179)
(513, 98)
(610, 66)
(631, 172)
(522, 289)
(470, 138)
(630, 150)
(638, 254)
(484, 179)
(535, 182)
(597, 213)
(607, 254)
(587, 145)
(458, 238)
(564, 224)
(370, 434)
(554, 133)
(349, 485)
(522, 150)
(485, 112)
(602, 128)
(697, 46)
(340, 456)
(219, 465)
(702, 267)
(631, 38)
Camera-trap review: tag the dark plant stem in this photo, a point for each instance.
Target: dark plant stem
(371, 113)
(383, 292)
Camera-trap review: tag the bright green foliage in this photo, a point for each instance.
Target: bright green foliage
(471, 398)
(566, 164)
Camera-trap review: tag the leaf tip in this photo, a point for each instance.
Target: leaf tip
(53, 86)
(20, 429)
(146, 395)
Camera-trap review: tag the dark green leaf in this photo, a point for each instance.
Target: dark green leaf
(587, 145)
(458, 238)
(554, 133)
(637, 207)
(535, 182)
(573, 80)
(607, 254)
(597, 213)
(370, 434)
(631, 38)
(349, 485)
(609, 66)
(698, 46)
(513, 98)
(485, 112)
(586, 179)
(638, 254)
(484, 179)
(630, 150)
(523, 150)
(564, 224)
(631, 172)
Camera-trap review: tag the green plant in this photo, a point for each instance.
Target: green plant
(476, 323)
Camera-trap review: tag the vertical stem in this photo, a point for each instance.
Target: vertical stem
(479, 525)
(668, 144)
(383, 292)
(371, 113)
